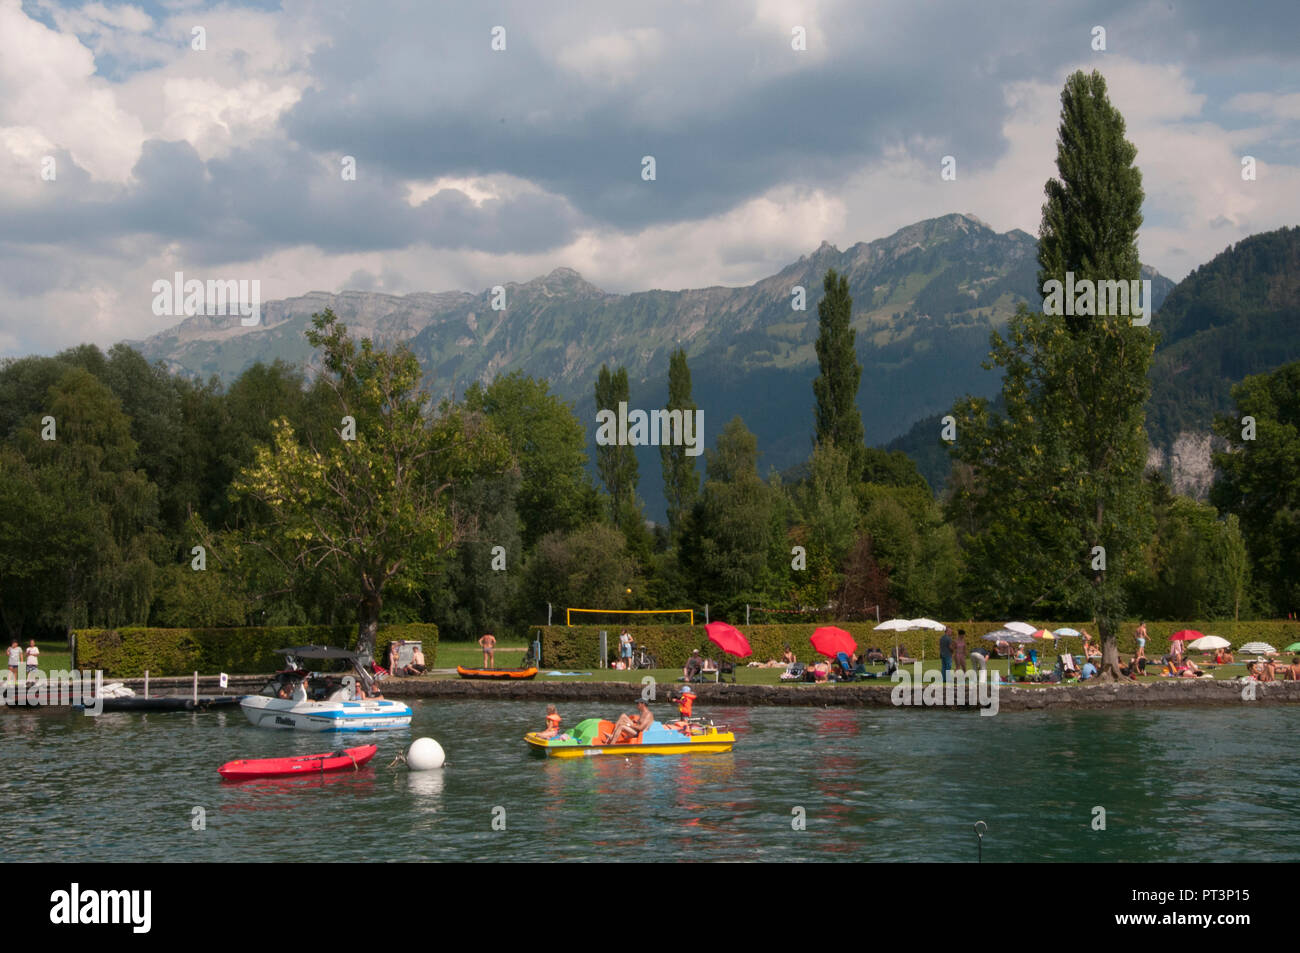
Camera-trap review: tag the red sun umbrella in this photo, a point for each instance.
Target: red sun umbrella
(829, 641)
(729, 639)
(1186, 635)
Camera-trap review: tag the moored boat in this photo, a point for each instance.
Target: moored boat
(583, 740)
(300, 700)
(501, 674)
(346, 759)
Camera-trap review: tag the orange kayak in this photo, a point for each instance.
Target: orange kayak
(496, 673)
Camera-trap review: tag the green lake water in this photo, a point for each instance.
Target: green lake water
(1200, 784)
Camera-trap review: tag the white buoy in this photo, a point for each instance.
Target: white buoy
(425, 754)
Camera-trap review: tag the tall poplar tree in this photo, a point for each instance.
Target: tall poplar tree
(1060, 476)
(836, 387)
(681, 481)
(616, 463)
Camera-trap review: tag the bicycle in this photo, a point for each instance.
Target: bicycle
(643, 659)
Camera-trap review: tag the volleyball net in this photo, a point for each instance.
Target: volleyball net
(569, 614)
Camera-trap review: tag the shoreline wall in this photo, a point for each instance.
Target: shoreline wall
(1183, 692)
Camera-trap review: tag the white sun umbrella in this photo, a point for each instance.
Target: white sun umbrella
(1024, 628)
(1010, 636)
(928, 624)
(1258, 648)
(906, 625)
(1067, 632)
(1208, 643)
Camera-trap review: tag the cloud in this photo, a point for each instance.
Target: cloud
(477, 168)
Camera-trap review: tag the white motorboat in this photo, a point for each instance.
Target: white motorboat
(300, 700)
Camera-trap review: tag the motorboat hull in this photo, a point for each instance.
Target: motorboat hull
(374, 714)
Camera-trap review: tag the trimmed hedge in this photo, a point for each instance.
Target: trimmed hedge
(127, 653)
(578, 646)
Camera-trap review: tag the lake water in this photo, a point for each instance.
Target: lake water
(871, 785)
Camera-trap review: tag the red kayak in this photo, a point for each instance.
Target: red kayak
(348, 759)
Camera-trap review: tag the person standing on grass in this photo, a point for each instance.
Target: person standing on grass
(959, 651)
(15, 658)
(945, 653)
(1142, 639)
(488, 644)
(625, 648)
(33, 659)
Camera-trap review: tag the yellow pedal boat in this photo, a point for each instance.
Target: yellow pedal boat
(580, 741)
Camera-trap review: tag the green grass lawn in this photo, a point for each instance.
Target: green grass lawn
(54, 657)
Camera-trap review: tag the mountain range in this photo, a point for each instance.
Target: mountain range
(925, 300)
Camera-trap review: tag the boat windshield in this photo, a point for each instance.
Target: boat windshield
(284, 684)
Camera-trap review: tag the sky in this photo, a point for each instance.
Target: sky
(495, 142)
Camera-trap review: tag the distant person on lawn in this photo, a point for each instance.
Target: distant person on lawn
(945, 653)
(693, 665)
(15, 658)
(33, 659)
(488, 644)
(959, 650)
(416, 666)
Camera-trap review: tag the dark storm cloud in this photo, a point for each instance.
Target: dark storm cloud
(727, 109)
(725, 106)
(271, 195)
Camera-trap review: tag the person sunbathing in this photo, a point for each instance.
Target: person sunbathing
(693, 665)
(629, 726)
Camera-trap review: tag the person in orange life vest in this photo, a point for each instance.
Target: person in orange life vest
(552, 723)
(684, 702)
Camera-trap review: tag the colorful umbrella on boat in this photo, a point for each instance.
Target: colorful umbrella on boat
(830, 641)
(729, 639)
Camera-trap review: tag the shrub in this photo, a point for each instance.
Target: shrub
(129, 652)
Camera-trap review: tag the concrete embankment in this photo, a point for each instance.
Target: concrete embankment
(1183, 692)
(1170, 694)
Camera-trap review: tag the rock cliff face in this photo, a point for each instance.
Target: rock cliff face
(1188, 462)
